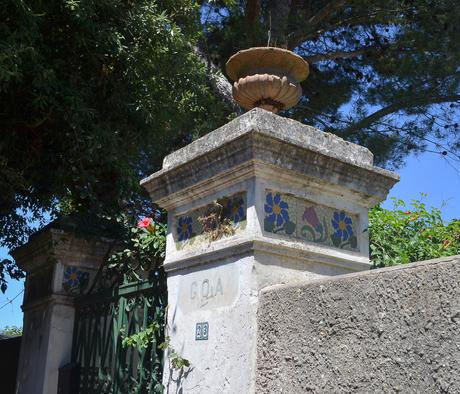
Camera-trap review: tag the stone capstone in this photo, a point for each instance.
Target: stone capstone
(259, 138)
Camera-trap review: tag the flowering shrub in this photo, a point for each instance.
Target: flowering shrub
(150, 237)
(407, 234)
(146, 223)
(144, 247)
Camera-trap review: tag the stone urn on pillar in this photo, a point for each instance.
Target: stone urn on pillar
(267, 78)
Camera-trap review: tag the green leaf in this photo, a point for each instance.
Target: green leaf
(336, 241)
(289, 228)
(353, 242)
(306, 229)
(268, 225)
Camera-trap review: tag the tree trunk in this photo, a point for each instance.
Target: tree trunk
(219, 83)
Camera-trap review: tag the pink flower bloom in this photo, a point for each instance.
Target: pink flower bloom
(311, 218)
(145, 223)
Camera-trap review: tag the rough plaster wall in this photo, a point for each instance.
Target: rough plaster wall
(394, 330)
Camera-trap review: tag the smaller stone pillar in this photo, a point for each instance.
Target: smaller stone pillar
(293, 203)
(59, 266)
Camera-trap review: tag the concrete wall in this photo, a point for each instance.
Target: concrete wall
(393, 330)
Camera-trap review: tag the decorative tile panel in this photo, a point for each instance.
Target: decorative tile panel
(75, 280)
(189, 229)
(305, 220)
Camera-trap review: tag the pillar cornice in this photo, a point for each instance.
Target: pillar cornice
(260, 139)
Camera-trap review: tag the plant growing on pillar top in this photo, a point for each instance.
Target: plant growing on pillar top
(215, 223)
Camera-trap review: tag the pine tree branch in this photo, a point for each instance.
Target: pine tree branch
(339, 54)
(326, 11)
(314, 22)
(325, 26)
(252, 12)
(218, 81)
(410, 103)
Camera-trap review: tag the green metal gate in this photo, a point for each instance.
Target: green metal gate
(102, 321)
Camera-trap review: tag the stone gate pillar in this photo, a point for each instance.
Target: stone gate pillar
(292, 203)
(59, 267)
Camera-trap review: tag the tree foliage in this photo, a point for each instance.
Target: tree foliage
(408, 234)
(11, 331)
(384, 73)
(93, 94)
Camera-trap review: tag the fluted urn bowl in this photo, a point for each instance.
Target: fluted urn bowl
(267, 77)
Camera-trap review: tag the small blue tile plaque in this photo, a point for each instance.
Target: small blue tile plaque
(201, 331)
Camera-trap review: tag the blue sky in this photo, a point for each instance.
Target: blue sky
(428, 173)
(11, 313)
(431, 174)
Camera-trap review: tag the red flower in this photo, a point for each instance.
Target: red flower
(145, 223)
(408, 212)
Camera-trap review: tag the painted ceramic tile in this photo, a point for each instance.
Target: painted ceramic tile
(311, 222)
(74, 280)
(190, 228)
(185, 228)
(235, 209)
(280, 213)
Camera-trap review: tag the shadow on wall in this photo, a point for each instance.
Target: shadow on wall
(9, 360)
